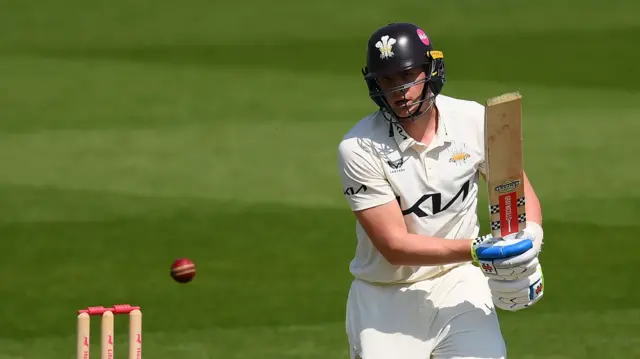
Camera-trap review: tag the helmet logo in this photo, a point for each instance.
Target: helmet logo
(385, 44)
(423, 37)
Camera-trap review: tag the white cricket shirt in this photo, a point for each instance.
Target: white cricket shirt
(436, 186)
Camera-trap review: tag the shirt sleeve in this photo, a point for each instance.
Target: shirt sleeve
(364, 184)
(482, 168)
(478, 117)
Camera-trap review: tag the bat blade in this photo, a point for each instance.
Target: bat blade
(504, 164)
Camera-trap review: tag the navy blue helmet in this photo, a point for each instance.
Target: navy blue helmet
(399, 47)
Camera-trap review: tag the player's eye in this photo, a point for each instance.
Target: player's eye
(411, 75)
(385, 81)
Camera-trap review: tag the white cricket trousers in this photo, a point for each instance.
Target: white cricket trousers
(448, 317)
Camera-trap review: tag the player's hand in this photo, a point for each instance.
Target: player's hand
(508, 258)
(513, 295)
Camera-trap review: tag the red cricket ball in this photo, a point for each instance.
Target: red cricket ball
(183, 270)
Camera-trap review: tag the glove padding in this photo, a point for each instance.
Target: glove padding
(505, 259)
(514, 295)
(533, 231)
(509, 258)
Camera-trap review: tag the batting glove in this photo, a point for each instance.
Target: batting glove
(514, 295)
(508, 258)
(534, 231)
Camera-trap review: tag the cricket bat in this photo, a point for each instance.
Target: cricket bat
(503, 163)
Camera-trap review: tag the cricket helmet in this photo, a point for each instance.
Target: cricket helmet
(398, 47)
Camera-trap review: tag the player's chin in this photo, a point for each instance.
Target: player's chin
(405, 111)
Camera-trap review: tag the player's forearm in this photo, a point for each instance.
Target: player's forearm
(418, 250)
(532, 204)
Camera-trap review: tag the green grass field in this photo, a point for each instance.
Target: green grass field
(135, 132)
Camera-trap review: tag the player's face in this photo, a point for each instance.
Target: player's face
(403, 101)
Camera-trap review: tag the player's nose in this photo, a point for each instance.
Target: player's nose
(399, 95)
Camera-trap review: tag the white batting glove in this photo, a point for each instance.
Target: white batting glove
(509, 258)
(514, 295)
(504, 258)
(534, 231)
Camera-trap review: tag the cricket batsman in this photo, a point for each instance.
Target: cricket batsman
(410, 173)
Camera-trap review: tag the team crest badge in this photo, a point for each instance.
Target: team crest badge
(459, 157)
(459, 154)
(386, 45)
